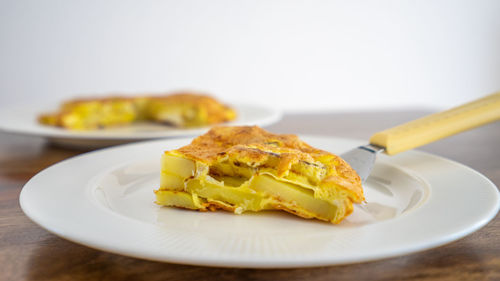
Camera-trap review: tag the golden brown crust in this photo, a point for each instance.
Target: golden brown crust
(248, 142)
(215, 111)
(254, 146)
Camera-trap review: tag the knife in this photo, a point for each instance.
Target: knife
(423, 131)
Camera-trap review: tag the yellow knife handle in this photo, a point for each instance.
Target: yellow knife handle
(439, 125)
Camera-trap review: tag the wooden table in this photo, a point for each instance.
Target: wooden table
(28, 252)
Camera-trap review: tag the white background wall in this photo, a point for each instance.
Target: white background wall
(298, 55)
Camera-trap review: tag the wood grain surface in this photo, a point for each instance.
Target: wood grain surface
(28, 252)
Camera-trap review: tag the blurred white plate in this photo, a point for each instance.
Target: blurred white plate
(23, 120)
(104, 199)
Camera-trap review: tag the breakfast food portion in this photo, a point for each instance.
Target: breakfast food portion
(240, 169)
(183, 110)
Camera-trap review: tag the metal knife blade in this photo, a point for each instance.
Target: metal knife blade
(362, 159)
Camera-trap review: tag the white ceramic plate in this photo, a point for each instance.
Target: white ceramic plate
(104, 199)
(22, 120)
